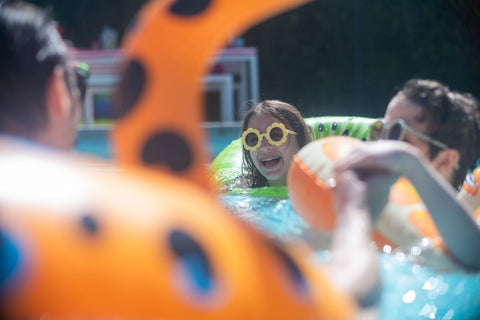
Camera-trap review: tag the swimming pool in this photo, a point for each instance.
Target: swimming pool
(410, 290)
(94, 141)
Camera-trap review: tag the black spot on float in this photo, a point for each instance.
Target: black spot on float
(321, 127)
(89, 224)
(293, 270)
(167, 148)
(131, 87)
(334, 126)
(189, 7)
(345, 133)
(193, 260)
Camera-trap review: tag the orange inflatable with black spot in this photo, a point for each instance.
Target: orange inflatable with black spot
(404, 221)
(83, 239)
(78, 242)
(168, 52)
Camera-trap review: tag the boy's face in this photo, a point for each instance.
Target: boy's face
(64, 110)
(75, 107)
(402, 108)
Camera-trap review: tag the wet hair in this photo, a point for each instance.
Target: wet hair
(451, 117)
(31, 48)
(286, 114)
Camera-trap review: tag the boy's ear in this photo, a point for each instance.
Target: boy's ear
(446, 160)
(57, 94)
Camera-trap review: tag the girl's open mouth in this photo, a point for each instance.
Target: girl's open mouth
(271, 162)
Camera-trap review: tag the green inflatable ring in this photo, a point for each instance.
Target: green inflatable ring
(356, 127)
(227, 166)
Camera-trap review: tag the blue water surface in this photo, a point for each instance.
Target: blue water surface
(409, 290)
(95, 141)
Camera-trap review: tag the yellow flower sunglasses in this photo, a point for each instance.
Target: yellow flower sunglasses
(276, 135)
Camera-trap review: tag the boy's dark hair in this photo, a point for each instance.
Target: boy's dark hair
(31, 48)
(451, 117)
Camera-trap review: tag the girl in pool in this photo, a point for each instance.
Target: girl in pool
(273, 131)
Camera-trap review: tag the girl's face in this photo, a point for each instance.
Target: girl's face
(272, 161)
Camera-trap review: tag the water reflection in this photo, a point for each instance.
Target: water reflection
(409, 297)
(411, 288)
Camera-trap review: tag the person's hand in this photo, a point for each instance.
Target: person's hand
(387, 156)
(377, 165)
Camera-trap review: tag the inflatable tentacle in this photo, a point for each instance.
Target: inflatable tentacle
(160, 103)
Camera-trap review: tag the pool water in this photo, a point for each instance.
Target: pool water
(95, 141)
(409, 290)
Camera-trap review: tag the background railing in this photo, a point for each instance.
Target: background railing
(234, 76)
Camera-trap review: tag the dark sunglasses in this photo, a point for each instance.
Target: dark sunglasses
(82, 73)
(397, 131)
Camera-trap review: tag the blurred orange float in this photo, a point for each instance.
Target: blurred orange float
(404, 221)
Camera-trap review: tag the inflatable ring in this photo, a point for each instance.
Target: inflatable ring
(133, 243)
(356, 127)
(227, 166)
(403, 223)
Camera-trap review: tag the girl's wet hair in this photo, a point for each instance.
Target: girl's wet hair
(286, 114)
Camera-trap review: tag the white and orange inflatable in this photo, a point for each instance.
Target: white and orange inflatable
(85, 240)
(404, 222)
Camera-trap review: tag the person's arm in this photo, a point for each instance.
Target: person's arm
(353, 265)
(453, 220)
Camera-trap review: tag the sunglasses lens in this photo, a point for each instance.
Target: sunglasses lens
(251, 139)
(395, 132)
(276, 134)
